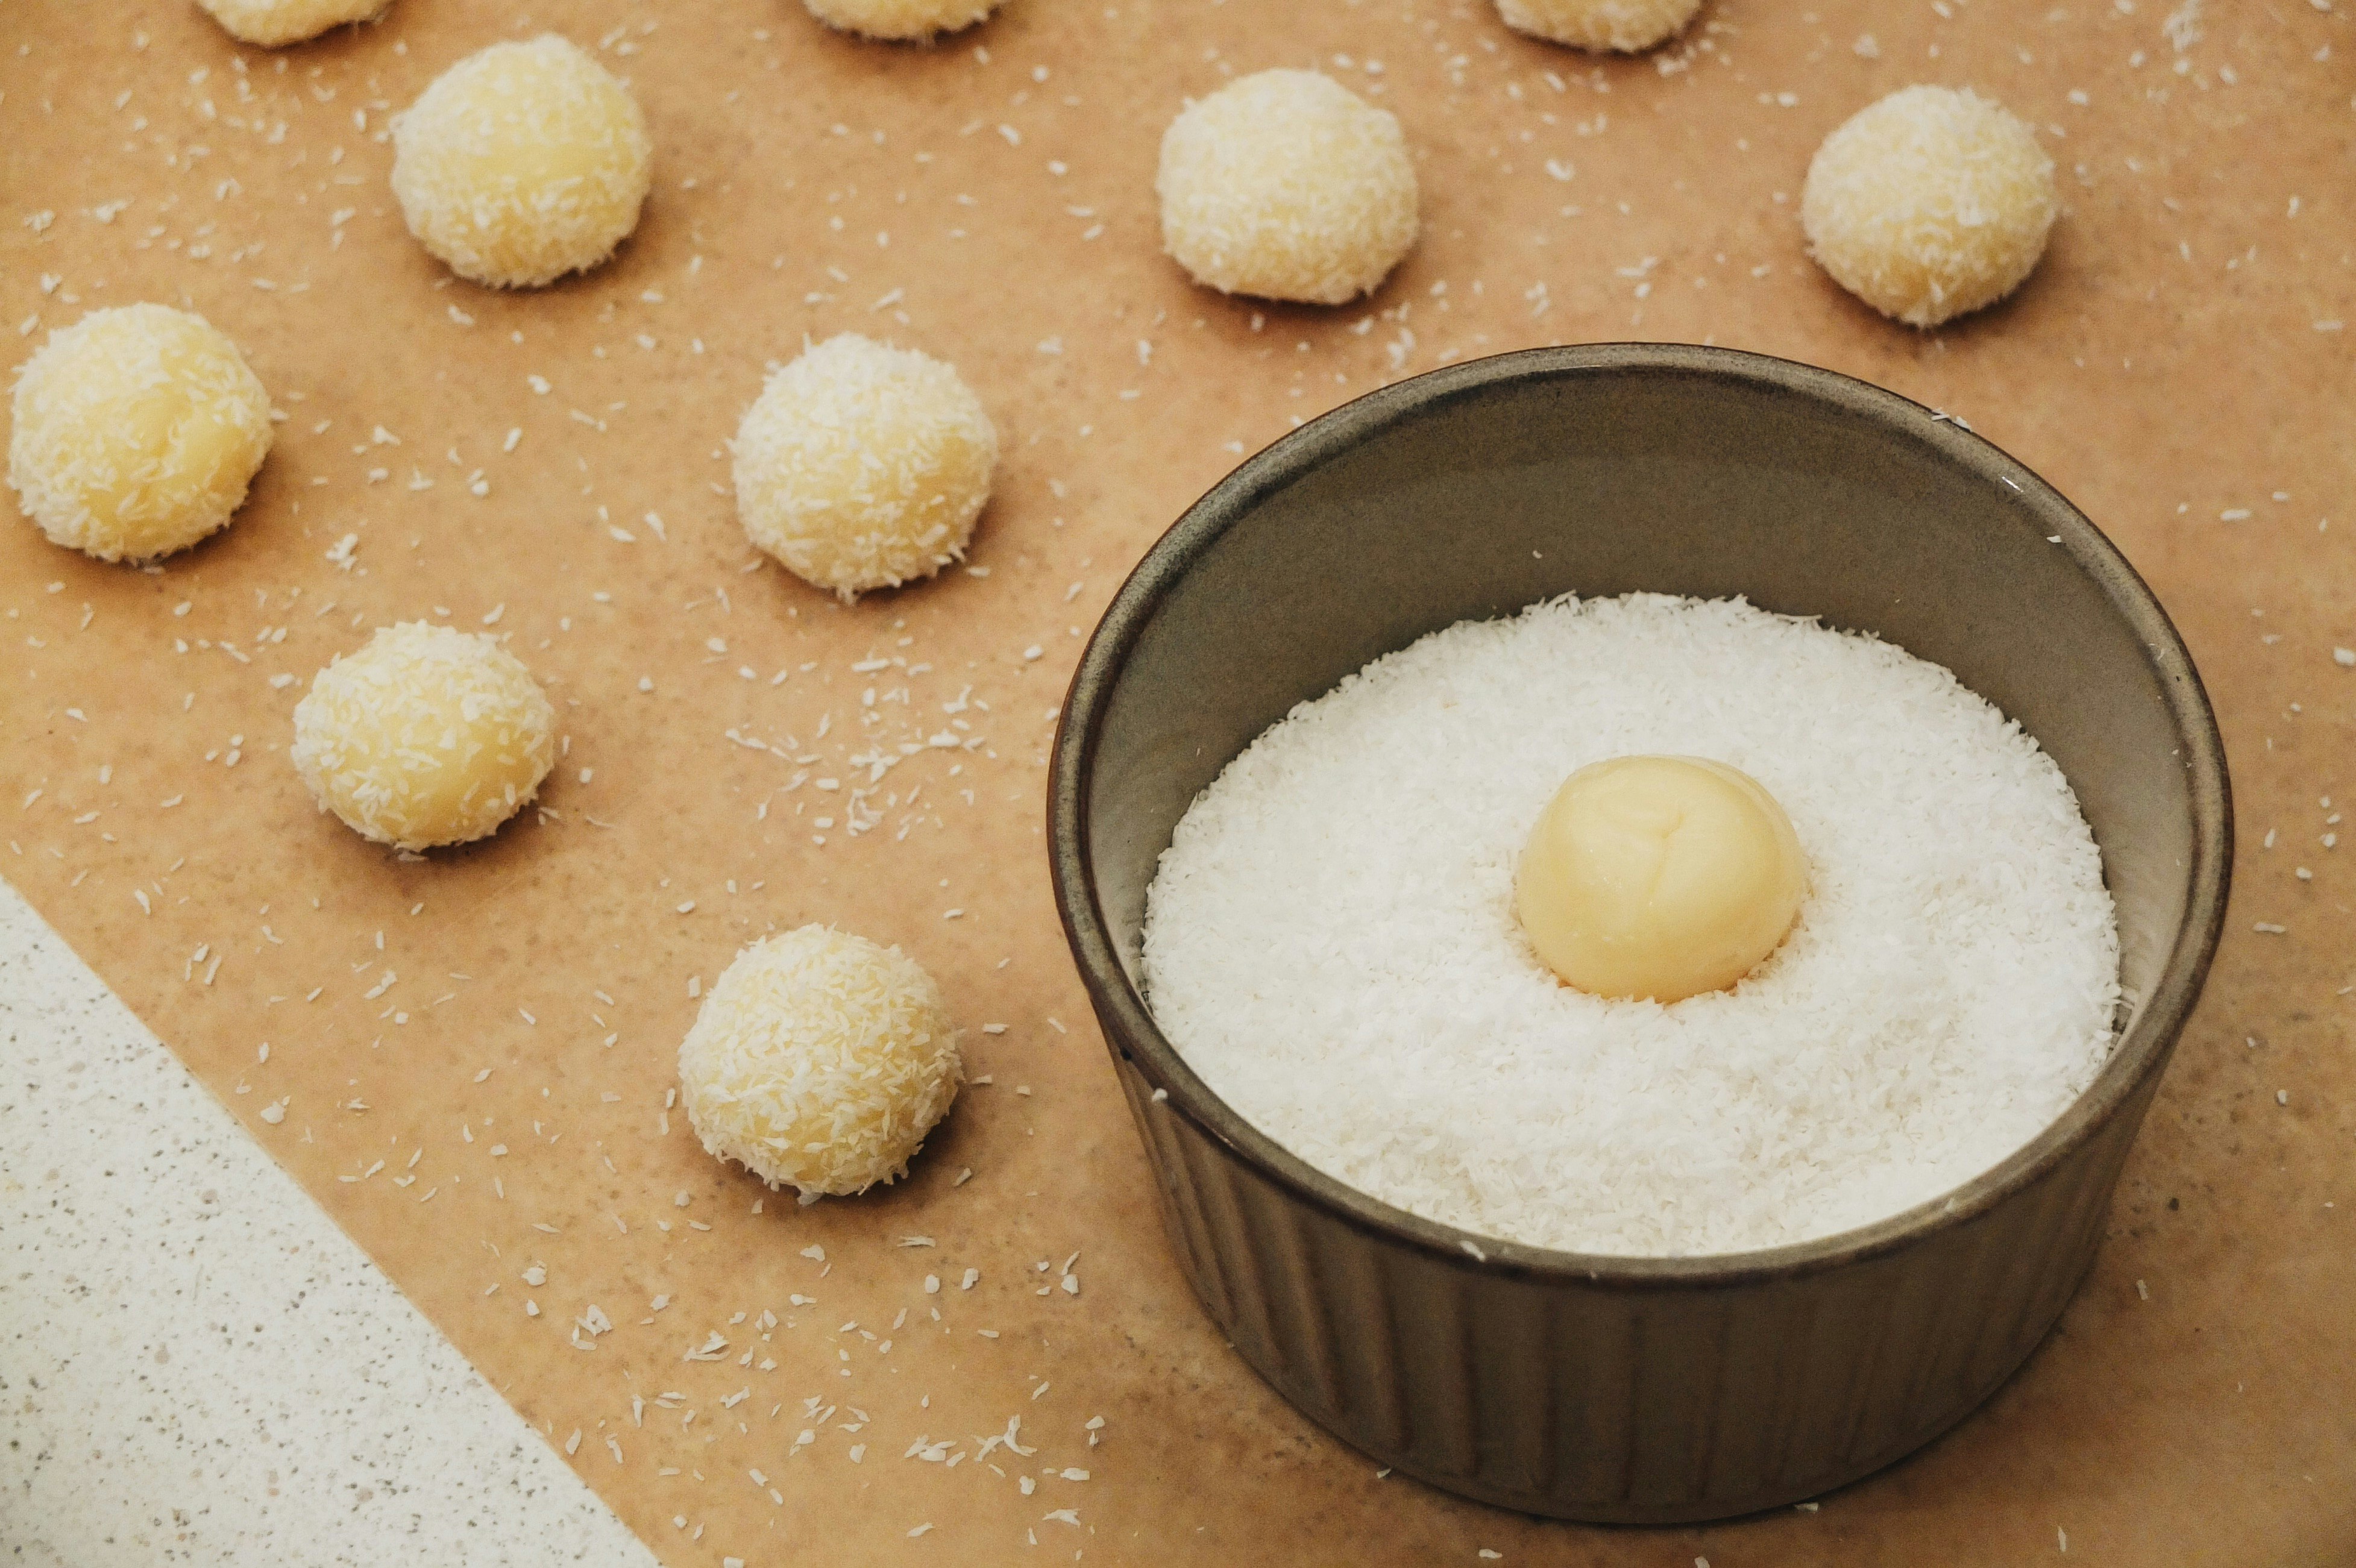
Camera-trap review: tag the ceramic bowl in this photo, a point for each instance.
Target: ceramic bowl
(1642, 1390)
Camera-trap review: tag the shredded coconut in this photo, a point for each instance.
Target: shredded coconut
(863, 466)
(1624, 25)
(901, 19)
(821, 1061)
(137, 432)
(1929, 203)
(521, 163)
(425, 736)
(270, 23)
(1286, 185)
(1330, 941)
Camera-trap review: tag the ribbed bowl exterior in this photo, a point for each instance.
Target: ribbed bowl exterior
(1614, 1389)
(1600, 1401)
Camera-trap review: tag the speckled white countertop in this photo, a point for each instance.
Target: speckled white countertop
(195, 1365)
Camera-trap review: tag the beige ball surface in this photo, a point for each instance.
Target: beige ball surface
(821, 1061)
(270, 23)
(425, 736)
(901, 19)
(137, 430)
(1659, 878)
(863, 466)
(1286, 186)
(1626, 26)
(521, 163)
(1932, 202)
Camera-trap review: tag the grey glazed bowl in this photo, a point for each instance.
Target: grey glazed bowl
(1640, 1389)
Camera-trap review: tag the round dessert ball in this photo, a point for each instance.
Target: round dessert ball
(900, 18)
(522, 163)
(1286, 186)
(425, 736)
(820, 1062)
(1624, 25)
(1930, 203)
(137, 431)
(1659, 878)
(273, 22)
(863, 466)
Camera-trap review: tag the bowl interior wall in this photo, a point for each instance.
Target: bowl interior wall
(1346, 547)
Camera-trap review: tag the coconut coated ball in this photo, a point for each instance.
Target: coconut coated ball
(521, 163)
(1286, 186)
(137, 431)
(820, 1062)
(900, 18)
(863, 466)
(1930, 203)
(425, 736)
(1627, 25)
(273, 22)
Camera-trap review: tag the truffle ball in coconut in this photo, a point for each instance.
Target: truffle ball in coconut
(137, 431)
(863, 466)
(1659, 876)
(270, 23)
(1932, 202)
(820, 1061)
(900, 19)
(425, 736)
(1624, 25)
(1286, 186)
(521, 163)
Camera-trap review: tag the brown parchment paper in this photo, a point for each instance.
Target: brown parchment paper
(469, 1057)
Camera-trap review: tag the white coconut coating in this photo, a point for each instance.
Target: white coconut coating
(425, 736)
(820, 1062)
(900, 18)
(863, 466)
(1624, 25)
(1932, 202)
(1286, 186)
(137, 430)
(521, 163)
(270, 23)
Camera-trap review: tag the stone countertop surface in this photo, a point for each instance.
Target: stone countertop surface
(195, 1365)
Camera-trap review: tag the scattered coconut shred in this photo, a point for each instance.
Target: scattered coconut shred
(1330, 939)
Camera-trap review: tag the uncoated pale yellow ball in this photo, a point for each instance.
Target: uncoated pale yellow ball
(1286, 186)
(521, 163)
(1659, 878)
(270, 23)
(1626, 25)
(137, 431)
(821, 1060)
(425, 736)
(900, 19)
(1929, 203)
(863, 466)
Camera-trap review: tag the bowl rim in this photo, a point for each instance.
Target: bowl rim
(2137, 1058)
